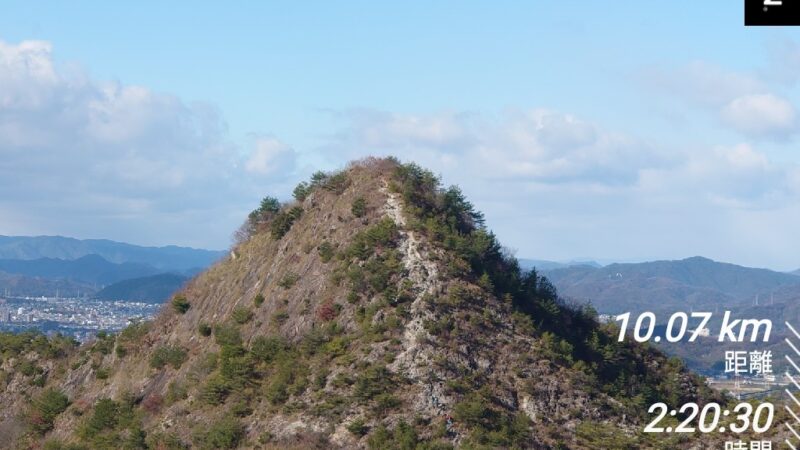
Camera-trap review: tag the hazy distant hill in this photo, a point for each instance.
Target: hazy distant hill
(163, 258)
(153, 289)
(692, 284)
(90, 269)
(23, 286)
(668, 285)
(543, 264)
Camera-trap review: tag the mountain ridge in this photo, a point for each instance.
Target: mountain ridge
(164, 258)
(667, 284)
(375, 311)
(152, 289)
(91, 269)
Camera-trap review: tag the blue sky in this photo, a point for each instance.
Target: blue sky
(583, 129)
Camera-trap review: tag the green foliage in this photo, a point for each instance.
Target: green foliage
(226, 433)
(180, 304)
(45, 408)
(358, 427)
(383, 234)
(283, 221)
(107, 415)
(135, 331)
(403, 437)
(600, 435)
(386, 402)
(15, 344)
(373, 381)
(326, 251)
(268, 348)
(215, 390)
(176, 391)
(379, 439)
(103, 343)
(288, 280)
(269, 205)
(57, 444)
(102, 373)
(301, 191)
(173, 355)
(289, 377)
(490, 426)
(28, 368)
(204, 329)
(335, 182)
(258, 300)
(359, 207)
(165, 441)
(227, 336)
(242, 315)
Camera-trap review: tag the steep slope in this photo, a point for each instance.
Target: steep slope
(376, 311)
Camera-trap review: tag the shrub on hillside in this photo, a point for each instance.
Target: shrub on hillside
(242, 315)
(283, 221)
(359, 207)
(288, 280)
(215, 390)
(168, 354)
(204, 329)
(258, 300)
(227, 335)
(326, 251)
(226, 433)
(180, 304)
(45, 408)
(268, 348)
(301, 191)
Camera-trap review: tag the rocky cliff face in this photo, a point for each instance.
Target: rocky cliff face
(375, 311)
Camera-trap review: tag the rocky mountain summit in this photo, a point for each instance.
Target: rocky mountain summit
(373, 311)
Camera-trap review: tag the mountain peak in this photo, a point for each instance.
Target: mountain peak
(374, 309)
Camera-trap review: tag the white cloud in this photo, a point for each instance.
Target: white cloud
(743, 102)
(552, 151)
(702, 83)
(539, 146)
(270, 156)
(93, 158)
(557, 186)
(784, 62)
(761, 114)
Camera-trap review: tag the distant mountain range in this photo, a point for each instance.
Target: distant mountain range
(25, 286)
(692, 282)
(543, 264)
(56, 265)
(169, 258)
(91, 269)
(152, 289)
